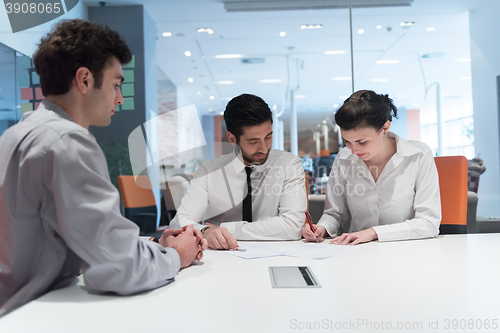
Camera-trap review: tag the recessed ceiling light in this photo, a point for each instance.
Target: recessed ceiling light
(187, 53)
(198, 92)
(222, 113)
(190, 80)
(210, 110)
(166, 34)
(282, 34)
(271, 81)
(431, 29)
(208, 30)
(228, 56)
(361, 31)
(324, 121)
(463, 59)
(335, 105)
(224, 82)
(387, 62)
(379, 80)
(212, 97)
(311, 26)
(379, 27)
(341, 78)
(333, 52)
(407, 24)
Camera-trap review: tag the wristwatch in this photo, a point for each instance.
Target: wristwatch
(205, 228)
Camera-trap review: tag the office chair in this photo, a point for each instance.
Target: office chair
(139, 202)
(453, 187)
(175, 189)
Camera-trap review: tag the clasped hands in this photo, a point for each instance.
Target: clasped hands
(354, 238)
(187, 241)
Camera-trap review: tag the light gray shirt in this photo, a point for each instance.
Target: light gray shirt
(279, 198)
(59, 213)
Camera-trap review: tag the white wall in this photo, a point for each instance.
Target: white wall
(26, 41)
(485, 66)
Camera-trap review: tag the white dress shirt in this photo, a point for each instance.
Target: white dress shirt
(404, 203)
(279, 198)
(59, 213)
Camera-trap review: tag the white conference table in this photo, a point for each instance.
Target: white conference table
(395, 286)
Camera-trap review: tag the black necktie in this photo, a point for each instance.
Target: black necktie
(247, 202)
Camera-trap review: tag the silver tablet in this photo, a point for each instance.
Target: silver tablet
(293, 277)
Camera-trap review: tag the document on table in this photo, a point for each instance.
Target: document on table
(323, 250)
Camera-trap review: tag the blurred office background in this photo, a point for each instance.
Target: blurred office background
(437, 59)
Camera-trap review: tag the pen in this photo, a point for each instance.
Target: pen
(311, 225)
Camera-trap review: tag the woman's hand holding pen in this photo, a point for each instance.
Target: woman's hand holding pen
(311, 236)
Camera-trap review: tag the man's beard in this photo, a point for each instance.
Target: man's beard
(252, 159)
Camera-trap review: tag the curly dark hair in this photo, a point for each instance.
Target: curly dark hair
(73, 44)
(246, 110)
(366, 108)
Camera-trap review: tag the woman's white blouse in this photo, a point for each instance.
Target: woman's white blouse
(404, 203)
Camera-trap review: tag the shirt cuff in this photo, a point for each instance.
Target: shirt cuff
(232, 227)
(171, 252)
(393, 232)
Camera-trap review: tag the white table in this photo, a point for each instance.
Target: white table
(397, 283)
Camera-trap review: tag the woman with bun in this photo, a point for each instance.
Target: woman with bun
(388, 184)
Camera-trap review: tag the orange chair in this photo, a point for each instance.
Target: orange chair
(324, 152)
(139, 202)
(453, 187)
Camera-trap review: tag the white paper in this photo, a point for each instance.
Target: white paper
(323, 250)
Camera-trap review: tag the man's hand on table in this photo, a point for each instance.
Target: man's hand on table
(187, 241)
(219, 238)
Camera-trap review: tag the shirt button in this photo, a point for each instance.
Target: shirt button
(375, 211)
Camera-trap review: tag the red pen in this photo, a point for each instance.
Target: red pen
(311, 225)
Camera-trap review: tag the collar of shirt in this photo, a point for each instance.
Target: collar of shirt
(49, 106)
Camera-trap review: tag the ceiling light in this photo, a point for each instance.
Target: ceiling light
(379, 80)
(190, 80)
(275, 107)
(271, 81)
(212, 97)
(360, 31)
(431, 29)
(210, 110)
(166, 34)
(224, 82)
(187, 53)
(463, 59)
(311, 26)
(198, 92)
(222, 113)
(300, 96)
(387, 62)
(407, 24)
(341, 78)
(333, 52)
(282, 34)
(228, 56)
(335, 105)
(324, 121)
(379, 27)
(209, 30)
